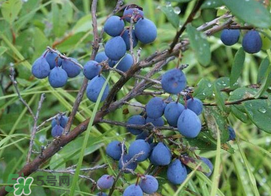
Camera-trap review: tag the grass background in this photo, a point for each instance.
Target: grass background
(67, 25)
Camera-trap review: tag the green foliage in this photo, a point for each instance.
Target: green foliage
(228, 81)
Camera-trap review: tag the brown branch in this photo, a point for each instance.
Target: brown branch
(235, 102)
(188, 20)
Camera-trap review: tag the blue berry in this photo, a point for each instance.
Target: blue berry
(157, 122)
(155, 107)
(40, 68)
(57, 77)
(53, 59)
(125, 63)
(130, 10)
(91, 69)
(209, 164)
(57, 131)
(145, 31)
(136, 120)
(113, 26)
(114, 150)
(176, 172)
(172, 112)
(160, 155)
(126, 37)
(126, 159)
(71, 68)
(232, 134)
(230, 36)
(189, 124)
(105, 182)
(195, 105)
(62, 120)
(133, 190)
(148, 184)
(252, 42)
(173, 81)
(115, 48)
(138, 146)
(94, 88)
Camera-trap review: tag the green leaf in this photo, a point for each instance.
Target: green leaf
(259, 111)
(10, 10)
(250, 11)
(199, 44)
(216, 120)
(237, 67)
(193, 162)
(204, 89)
(180, 1)
(172, 17)
(219, 98)
(211, 4)
(83, 25)
(3, 50)
(222, 83)
(239, 114)
(262, 70)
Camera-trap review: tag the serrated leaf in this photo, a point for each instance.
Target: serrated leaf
(259, 112)
(193, 163)
(255, 13)
(172, 17)
(211, 4)
(237, 67)
(199, 44)
(204, 89)
(10, 10)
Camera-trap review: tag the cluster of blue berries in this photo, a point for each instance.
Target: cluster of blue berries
(252, 42)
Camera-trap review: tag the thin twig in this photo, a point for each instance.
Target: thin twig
(15, 84)
(34, 129)
(235, 102)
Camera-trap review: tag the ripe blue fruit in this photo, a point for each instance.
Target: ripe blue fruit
(129, 11)
(53, 59)
(210, 165)
(173, 81)
(189, 124)
(195, 105)
(100, 57)
(126, 159)
(91, 69)
(172, 112)
(94, 88)
(57, 131)
(126, 37)
(105, 182)
(62, 120)
(155, 107)
(125, 63)
(40, 68)
(57, 77)
(136, 120)
(144, 135)
(157, 122)
(114, 150)
(138, 146)
(145, 31)
(133, 190)
(148, 184)
(231, 133)
(70, 67)
(115, 48)
(252, 42)
(160, 155)
(113, 26)
(176, 172)
(230, 36)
